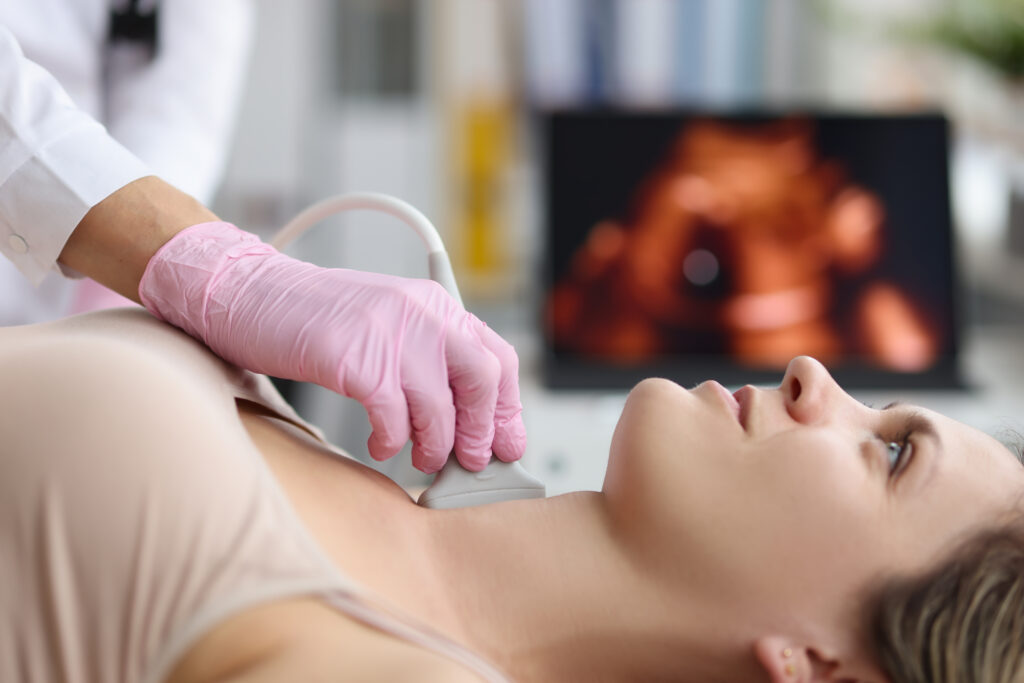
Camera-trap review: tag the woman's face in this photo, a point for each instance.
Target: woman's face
(788, 501)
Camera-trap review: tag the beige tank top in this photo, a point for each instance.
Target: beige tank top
(118, 551)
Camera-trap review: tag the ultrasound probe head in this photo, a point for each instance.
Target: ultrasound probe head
(455, 487)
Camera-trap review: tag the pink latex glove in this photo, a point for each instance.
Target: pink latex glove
(418, 362)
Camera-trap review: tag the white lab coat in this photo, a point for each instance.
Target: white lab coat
(174, 113)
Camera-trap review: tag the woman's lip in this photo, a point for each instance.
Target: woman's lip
(742, 397)
(730, 400)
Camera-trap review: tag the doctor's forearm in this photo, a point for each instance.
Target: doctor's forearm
(115, 240)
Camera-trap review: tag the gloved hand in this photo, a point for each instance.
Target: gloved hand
(402, 347)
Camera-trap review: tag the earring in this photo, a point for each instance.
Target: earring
(790, 670)
(786, 654)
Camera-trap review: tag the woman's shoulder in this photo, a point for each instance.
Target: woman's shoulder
(127, 326)
(307, 640)
(131, 332)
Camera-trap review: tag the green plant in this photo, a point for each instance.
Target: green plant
(989, 31)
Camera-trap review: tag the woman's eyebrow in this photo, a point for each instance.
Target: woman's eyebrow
(922, 425)
(916, 422)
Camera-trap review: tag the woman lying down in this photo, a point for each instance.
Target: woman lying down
(166, 518)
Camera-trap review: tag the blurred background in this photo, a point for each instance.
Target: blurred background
(441, 102)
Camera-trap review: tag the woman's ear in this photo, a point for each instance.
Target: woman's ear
(782, 660)
(785, 661)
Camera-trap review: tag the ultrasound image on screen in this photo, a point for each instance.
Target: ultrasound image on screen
(743, 241)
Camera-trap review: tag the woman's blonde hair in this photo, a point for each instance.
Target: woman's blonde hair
(962, 622)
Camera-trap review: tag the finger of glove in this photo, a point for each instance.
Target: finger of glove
(474, 374)
(509, 431)
(432, 415)
(390, 421)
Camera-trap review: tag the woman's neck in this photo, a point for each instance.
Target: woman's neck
(548, 591)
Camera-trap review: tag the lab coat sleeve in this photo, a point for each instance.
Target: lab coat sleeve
(56, 163)
(177, 111)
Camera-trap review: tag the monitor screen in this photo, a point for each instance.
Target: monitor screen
(696, 245)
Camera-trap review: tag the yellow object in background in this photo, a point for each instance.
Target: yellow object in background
(478, 54)
(484, 150)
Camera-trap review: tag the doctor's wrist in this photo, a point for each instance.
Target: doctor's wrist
(115, 240)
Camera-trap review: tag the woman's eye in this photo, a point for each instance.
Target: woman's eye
(896, 451)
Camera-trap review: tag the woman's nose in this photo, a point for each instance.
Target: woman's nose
(808, 390)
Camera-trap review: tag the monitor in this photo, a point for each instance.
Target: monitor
(695, 245)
